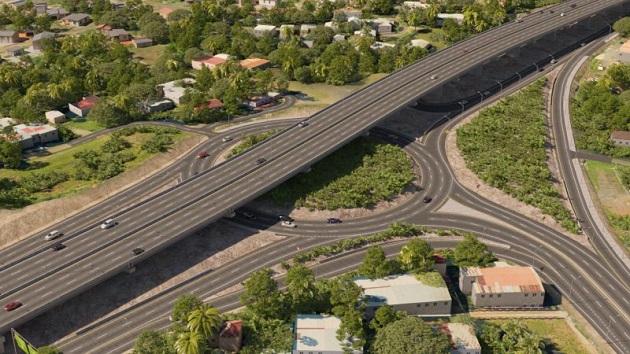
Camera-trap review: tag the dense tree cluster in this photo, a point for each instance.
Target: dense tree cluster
(517, 165)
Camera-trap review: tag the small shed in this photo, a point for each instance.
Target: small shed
(55, 117)
(142, 42)
(15, 52)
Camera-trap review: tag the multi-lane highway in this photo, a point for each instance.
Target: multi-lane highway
(96, 254)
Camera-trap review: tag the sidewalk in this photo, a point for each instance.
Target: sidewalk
(518, 314)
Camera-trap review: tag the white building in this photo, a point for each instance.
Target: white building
(623, 53)
(55, 117)
(318, 334)
(406, 293)
(175, 90)
(463, 338)
(459, 18)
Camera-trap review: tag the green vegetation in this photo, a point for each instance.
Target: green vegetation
(433, 279)
(83, 124)
(76, 168)
(410, 335)
(505, 147)
(358, 175)
(251, 140)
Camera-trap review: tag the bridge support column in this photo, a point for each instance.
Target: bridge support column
(3, 339)
(366, 133)
(306, 169)
(230, 213)
(131, 268)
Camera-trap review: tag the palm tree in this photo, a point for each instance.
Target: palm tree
(205, 320)
(190, 343)
(55, 91)
(172, 64)
(122, 101)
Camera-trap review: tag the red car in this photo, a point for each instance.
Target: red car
(202, 154)
(12, 305)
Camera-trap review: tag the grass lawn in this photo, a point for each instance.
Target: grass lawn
(81, 124)
(64, 161)
(148, 55)
(321, 93)
(556, 332)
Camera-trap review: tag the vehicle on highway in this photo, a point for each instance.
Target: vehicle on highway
(137, 251)
(285, 218)
(464, 51)
(227, 138)
(108, 223)
(562, 14)
(519, 20)
(249, 216)
(261, 161)
(433, 77)
(333, 221)
(52, 235)
(202, 154)
(58, 246)
(288, 224)
(427, 200)
(12, 305)
(302, 123)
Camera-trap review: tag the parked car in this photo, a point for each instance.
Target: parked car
(12, 305)
(261, 161)
(285, 218)
(249, 216)
(427, 199)
(227, 138)
(302, 123)
(137, 251)
(52, 235)
(202, 154)
(108, 223)
(58, 246)
(288, 224)
(333, 220)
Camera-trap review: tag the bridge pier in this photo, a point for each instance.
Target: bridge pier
(366, 133)
(3, 339)
(230, 213)
(306, 169)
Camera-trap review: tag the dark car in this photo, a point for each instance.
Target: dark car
(137, 251)
(202, 154)
(333, 220)
(58, 246)
(12, 305)
(261, 161)
(249, 216)
(285, 218)
(427, 199)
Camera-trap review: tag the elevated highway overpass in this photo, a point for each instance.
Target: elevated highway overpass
(43, 279)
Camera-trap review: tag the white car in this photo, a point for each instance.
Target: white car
(52, 235)
(433, 77)
(108, 223)
(227, 138)
(288, 224)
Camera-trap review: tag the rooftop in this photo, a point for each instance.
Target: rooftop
(87, 102)
(625, 47)
(4, 33)
(399, 290)
(506, 279)
(316, 333)
(620, 134)
(462, 336)
(253, 63)
(75, 17)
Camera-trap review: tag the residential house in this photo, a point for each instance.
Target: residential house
(620, 138)
(25, 34)
(104, 27)
(76, 20)
(286, 31)
(308, 43)
(118, 34)
(349, 12)
(459, 18)
(361, 33)
(7, 36)
(36, 134)
(261, 29)
(405, 292)
(339, 37)
(623, 53)
(422, 44)
(229, 338)
(15, 51)
(56, 14)
(440, 264)
(117, 5)
(175, 90)
(165, 12)
(331, 24)
(255, 63)
(306, 29)
(380, 45)
(415, 4)
(55, 117)
(257, 101)
(40, 8)
(270, 4)
(210, 61)
(502, 286)
(318, 334)
(15, 4)
(83, 107)
(382, 26)
(462, 337)
(6, 121)
(212, 103)
(142, 42)
(157, 106)
(37, 39)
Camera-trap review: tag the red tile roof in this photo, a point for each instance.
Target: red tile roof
(622, 135)
(87, 102)
(232, 329)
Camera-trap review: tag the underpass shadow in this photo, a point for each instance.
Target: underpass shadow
(150, 275)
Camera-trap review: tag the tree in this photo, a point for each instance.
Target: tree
(190, 343)
(301, 288)
(410, 335)
(512, 337)
(157, 31)
(49, 349)
(262, 296)
(417, 255)
(622, 26)
(344, 295)
(384, 316)
(471, 252)
(184, 305)
(205, 320)
(265, 335)
(107, 114)
(374, 264)
(151, 342)
(11, 154)
(620, 74)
